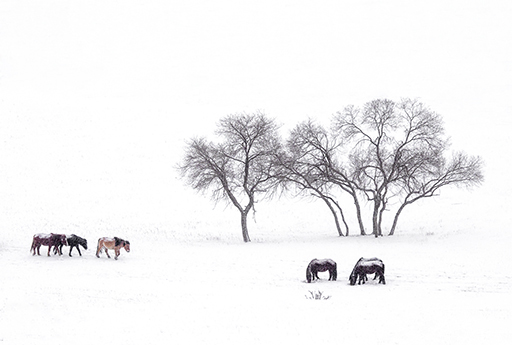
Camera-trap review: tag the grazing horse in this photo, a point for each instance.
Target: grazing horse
(50, 240)
(73, 241)
(367, 266)
(368, 260)
(323, 265)
(115, 243)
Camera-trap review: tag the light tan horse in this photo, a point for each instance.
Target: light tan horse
(115, 243)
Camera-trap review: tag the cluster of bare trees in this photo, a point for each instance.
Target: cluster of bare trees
(382, 151)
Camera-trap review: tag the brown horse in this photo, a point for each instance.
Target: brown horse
(323, 265)
(115, 243)
(50, 240)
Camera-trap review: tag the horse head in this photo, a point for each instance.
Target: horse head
(353, 278)
(126, 245)
(309, 273)
(79, 241)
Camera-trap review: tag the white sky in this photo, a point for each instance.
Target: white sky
(96, 98)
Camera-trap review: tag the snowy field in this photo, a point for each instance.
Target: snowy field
(446, 284)
(98, 98)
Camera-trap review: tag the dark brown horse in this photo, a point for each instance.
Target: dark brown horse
(323, 265)
(115, 243)
(367, 266)
(50, 240)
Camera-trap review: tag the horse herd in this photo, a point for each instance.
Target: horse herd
(57, 241)
(362, 267)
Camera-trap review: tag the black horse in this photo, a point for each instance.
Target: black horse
(368, 260)
(367, 266)
(323, 265)
(74, 241)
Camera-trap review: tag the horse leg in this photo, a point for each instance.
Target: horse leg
(332, 275)
(49, 248)
(33, 249)
(79, 252)
(382, 279)
(106, 252)
(361, 278)
(38, 253)
(117, 252)
(70, 249)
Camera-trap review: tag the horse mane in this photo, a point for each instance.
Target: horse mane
(120, 241)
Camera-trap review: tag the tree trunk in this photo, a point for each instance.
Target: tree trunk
(359, 216)
(333, 211)
(395, 220)
(245, 231)
(375, 217)
(342, 217)
(381, 212)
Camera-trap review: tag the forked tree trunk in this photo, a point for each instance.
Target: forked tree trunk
(333, 211)
(342, 217)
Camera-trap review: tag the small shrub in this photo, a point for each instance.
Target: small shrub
(317, 295)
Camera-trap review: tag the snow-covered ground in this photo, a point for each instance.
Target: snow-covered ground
(203, 286)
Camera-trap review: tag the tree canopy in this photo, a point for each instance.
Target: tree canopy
(240, 166)
(373, 154)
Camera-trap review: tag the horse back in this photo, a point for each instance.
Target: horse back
(58, 239)
(106, 242)
(42, 239)
(371, 263)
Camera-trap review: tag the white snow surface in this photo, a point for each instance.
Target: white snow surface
(98, 98)
(187, 286)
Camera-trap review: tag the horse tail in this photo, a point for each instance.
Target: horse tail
(309, 275)
(99, 249)
(33, 244)
(335, 272)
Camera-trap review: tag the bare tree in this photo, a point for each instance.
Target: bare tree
(305, 164)
(398, 152)
(238, 168)
(312, 166)
(427, 177)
